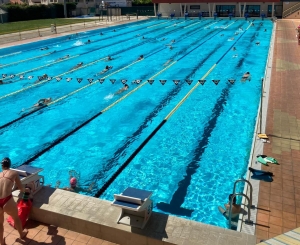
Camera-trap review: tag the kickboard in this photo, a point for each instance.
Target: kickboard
(262, 161)
(263, 136)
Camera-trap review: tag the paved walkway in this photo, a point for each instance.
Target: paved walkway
(279, 201)
(39, 233)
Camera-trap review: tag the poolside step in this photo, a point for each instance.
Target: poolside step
(95, 217)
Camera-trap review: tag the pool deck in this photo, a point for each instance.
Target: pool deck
(279, 201)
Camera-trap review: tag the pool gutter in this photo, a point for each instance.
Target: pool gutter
(257, 147)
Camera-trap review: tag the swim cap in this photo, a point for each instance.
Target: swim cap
(6, 162)
(73, 181)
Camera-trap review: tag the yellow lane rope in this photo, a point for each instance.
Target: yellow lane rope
(188, 94)
(91, 84)
(17, 62)
(137, 88)
(157, 24)
(42, 82)
(192, 89)
(39, 67)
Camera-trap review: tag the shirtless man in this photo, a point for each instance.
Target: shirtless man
(235, 208)
(8, 178)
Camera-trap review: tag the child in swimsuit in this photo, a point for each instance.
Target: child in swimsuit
(7, 179)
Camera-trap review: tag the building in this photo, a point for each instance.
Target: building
(223, 8)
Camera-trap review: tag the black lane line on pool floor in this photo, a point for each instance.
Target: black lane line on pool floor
(164, 102)
(132, 156)
(60, 139)
(146, 56)
(179, 195)
(174, 207)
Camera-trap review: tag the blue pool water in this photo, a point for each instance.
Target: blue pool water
(192, 161)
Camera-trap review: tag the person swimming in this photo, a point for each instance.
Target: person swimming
(106, 69)
(121, 90)
(167, 62)
(235, 56)
(246, 76)
(88, 41)
(141, 57)
(77, 66)
(109, 58)
(62, 58)
(39, 104)
(44, 77)
(45, 48)
(101, 34)
(234, 49)
(257, 43)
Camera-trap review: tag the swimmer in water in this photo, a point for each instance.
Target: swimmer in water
(77, 66)
(2, 83)
(141, 57)
(235, 56)
(39, 104)
(45, 48)
(234, 49)
(62, 58)
(126, 87)
(44, 77)
(101, 34)
(105, 69)
(257, 43)
(165, 64)
(246, 76)
(109, 58)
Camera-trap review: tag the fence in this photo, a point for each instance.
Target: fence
(48, 31)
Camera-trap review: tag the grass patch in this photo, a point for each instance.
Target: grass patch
(12, 27)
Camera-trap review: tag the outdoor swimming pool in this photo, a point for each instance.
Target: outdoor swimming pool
(192, 161)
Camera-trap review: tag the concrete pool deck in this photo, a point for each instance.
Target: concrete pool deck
(278, 209)
(97, 219)
(279, 201)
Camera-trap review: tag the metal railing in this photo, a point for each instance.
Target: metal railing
(51, 30)
(291, 10)
(248, 221)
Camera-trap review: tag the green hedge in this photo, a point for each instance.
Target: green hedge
(21, 12)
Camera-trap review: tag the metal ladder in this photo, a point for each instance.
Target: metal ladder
(247, 221)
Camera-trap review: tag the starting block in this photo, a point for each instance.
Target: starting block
(136, 207)
(29, 177)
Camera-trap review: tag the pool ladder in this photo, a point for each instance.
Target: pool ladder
(247, 221)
